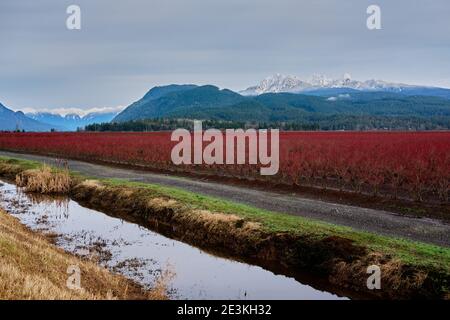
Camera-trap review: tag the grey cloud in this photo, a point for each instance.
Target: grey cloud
(125, 47)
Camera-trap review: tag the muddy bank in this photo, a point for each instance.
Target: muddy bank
(339, 260)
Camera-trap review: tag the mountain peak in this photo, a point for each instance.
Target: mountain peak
(276, 83)
(179, 101)
(159, 91)
(71, 121)
(281, 83)
(16, 120)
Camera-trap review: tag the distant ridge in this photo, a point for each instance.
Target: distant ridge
(211, 103)
(10, 121)
(279, 83)
(72, 122)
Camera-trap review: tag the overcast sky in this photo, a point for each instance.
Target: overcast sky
(126, 47)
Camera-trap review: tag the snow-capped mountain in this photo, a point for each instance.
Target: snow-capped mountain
(281, 83)
(277, 83)
(16, 120)
(72, 121)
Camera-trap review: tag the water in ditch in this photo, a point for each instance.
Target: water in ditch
(141, 254)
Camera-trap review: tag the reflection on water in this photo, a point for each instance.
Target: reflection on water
(58, 205)
(142, 255)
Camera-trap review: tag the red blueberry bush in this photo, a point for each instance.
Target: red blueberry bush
(415, 165)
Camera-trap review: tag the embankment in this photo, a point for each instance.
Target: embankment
(339, 254)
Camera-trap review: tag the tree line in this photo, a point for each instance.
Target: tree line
(311, 123)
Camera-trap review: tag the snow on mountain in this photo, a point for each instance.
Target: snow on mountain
(16, 120)
(72, 121)
(277, 83)
(293, 84)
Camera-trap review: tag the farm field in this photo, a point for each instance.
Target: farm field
(411, 165)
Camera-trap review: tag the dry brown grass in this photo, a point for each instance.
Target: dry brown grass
(9, 169)
(217, 220)
(394, 274)
(45, 180)
(92, 184)
(32, 268)
(162, 203)
(160, 289)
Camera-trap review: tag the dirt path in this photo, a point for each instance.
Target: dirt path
(378, 221)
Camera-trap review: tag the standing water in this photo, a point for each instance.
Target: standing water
(142, 255)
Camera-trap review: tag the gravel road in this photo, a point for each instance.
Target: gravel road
(377, 221)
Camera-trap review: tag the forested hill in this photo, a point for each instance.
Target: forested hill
(209, 102)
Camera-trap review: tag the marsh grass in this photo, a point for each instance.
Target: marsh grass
(45, 180)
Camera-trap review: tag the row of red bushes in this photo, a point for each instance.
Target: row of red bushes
(410, 164)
